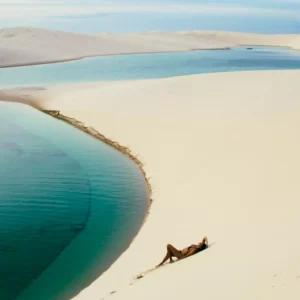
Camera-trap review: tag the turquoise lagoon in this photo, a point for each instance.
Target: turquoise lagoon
(65, 199)
(148, 66)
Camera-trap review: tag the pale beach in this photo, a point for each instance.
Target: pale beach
(213, 155)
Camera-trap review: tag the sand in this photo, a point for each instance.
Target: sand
(222, 151)
(244, 39)
(30, 46)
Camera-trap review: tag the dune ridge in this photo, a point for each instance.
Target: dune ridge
(91, 131)
(31, 46)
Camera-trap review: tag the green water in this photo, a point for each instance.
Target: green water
(65, 199)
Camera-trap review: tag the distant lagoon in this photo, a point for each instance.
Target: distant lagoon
(150, 66)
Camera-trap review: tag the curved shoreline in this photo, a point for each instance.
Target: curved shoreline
(93, 132)
(124, 150)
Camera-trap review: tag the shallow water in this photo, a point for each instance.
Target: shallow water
(62, 194)
(147, 66)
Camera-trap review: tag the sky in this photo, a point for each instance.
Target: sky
(93, 16)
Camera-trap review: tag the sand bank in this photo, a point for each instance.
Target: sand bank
(93, 132)
(222, 151)
(31, 46)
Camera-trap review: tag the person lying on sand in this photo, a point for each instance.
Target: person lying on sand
(184, 253)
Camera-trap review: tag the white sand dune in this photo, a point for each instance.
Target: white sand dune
(223, 154)
(172, 41)
(27, 46)
(295, 43)
(238, 38)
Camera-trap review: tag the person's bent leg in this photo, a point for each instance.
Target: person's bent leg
(168, 255)
(174, 251)
(171, 251)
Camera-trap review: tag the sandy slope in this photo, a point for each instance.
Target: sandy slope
(284, 40)
(223, 154)
(25, 46)
(295, 43)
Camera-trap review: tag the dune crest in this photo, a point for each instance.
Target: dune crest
(30, 46)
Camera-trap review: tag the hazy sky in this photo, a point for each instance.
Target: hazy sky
(276, 16)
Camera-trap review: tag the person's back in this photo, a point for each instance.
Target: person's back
(202, 247)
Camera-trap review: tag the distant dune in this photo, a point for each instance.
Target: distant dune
(27, 46)
(295, 43)
(238, 38)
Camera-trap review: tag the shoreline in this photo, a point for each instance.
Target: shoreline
(124, 150)
(96, 134)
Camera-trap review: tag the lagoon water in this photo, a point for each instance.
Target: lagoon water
(65, 199)
(148, 66)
